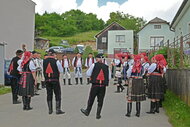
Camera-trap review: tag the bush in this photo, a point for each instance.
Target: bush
(76, 50)
(87, 50)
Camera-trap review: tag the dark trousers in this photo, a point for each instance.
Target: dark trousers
(100, 93)
(53, 86)
(14, 87)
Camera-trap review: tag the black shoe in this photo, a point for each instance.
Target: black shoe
(85, 112)
(16, 102)
(98, 116)
(129, 108)
(58, 108)
(122, 88)
(24, 102)
(50, 106)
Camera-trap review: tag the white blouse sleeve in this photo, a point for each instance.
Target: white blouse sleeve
(89, 71)
(19, 66)
(32, 66)
(60, 68)
(152, 68)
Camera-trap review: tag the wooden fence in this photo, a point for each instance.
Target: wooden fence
(178, 81)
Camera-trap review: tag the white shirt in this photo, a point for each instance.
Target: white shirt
(89, 71)
(59, 66)
(131, 62)
(79, 62)
(66, 63)
(145, 67)
(32, 66)
(88, 64)
(153, 67)
(117, 61)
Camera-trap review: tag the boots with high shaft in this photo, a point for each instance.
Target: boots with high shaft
(152, 108)
(129, 108)
(118, 89)
(58, 108)
(98, 116)
(24, 102)
(157, 107)
(88, 81)
(50, 107)
(81, 81)
(64, 82)
(77, 81)
(69, 81)
(28, 101)
(138, 108)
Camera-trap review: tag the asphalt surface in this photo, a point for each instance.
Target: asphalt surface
(73, 99)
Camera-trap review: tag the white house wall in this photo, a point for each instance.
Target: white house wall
(17, 19)
(1, 64)
(129, 40)
(183, 26)
(149, 31)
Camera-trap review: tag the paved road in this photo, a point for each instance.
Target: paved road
(73, 98)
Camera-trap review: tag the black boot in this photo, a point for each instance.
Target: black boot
(58, 108)
(157, 107)
(50, 106)
(15, 99)
(138, 109)
(64, 82)
(122, 88)
(77, 81)
(118, 90)
(98, 116)
(81, 81)
(160, 103)
(129, 108)
(43, 84)
(152, 108)
(24, 100)
(88, 81)
(38, 86)
(28, 103)
(85, 112)
(69, 81)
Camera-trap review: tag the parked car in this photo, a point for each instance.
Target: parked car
(8, 77)
(64, 43)
(80, 48)
(68, 50)
(58, 49)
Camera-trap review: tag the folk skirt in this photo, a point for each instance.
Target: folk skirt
(155, 87)
(26, 85)
(136, 90)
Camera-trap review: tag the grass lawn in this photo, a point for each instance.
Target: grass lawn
(4, 90)
(81, 37)
(177, 110)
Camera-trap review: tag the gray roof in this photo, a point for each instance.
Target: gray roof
(40, 38)
(157, 20)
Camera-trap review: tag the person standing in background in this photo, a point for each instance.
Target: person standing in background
(15, 76)
(77, 64)
(89, 61)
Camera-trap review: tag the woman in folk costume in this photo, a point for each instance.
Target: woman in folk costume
(77, 64)
(27, 69)
(155, 91)
(135, 92)
(118, 73)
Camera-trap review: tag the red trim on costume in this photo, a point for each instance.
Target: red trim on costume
(49, 70)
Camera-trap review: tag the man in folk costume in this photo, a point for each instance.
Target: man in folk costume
(77, 64)
(66, 64)
(28, 79)
(135, 91)
(89, 61)
(118, 73)
(15, 76)
(100, 76)
(52, 69)
(155, 73)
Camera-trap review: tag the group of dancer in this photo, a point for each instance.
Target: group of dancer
(29, 71)
(142, 78)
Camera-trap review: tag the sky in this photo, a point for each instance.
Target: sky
(147, 9)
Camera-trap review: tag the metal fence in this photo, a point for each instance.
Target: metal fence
(178, 81)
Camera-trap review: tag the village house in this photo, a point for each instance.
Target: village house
(181, 22)
(17, 25)
(114, 39)
(154, 34)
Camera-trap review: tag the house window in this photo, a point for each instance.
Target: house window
(104, 39)
(157, 26)
(120, 38)
(156, 41)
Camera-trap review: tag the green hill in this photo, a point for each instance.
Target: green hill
(73, 40)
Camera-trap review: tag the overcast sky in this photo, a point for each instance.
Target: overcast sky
(148, 9)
